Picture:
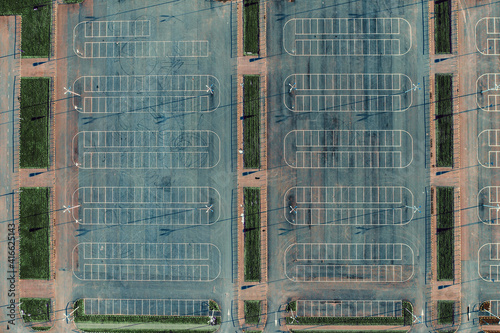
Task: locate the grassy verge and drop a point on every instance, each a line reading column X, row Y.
column 41, row 328
column 35, row 38
column 251, row 27
column 405, row 319
column 446, row 312
column 444, row 120
column 445, row 229
column 81, row 317
column 35, row 309
column 73, row 1
column 251, row 121
column 252, row 312
column 251, row 198
column 34, row 233
column 442, row 26
column 328, row 331
column 213, row 306
column 141, row 330
column 35, row 122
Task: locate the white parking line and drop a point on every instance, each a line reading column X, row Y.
column 488, row 205
column 348, row 149
column 347, row 92
column 137, row 28
column 147, row 205
column 330, row 36
column 349, row 205
column 336, row 262
column 485, row 44
column 119, row 149
column 488, row 263
column 488, row 151
column 148, row 307
column 146, row 261
column 349, row 308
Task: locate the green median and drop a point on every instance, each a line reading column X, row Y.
column 36, row 25
column 445, row 233
column 442, row 26
column 251, row 27
column 251, row 121
column 35, row 309
column 251, row 197
column 35, row 122
column 252, row 312
column 444, row 120
column 34, row 231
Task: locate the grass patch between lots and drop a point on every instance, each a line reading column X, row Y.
column 442, row 27
column 444, row 120
column 446, row 312
column 141, row 330
column 404, row 319
column 81, row 317
column 35, row 309
column 36, row 24
column 251, row 121
column 252, row 312
column 41, row 328
column 445, row 230
column 251, row 197
column 34, row 230
column 251, row 27
column 328, row 331
column 35, row 123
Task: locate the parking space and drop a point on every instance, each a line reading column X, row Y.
column 346, row 36
column 349, row 308
column 349, row 205
column 335, row 262
column 146, row 262
column 348, row 149
column 488, row 148
column 130, row 39
column 147, row 205
column 146, row 94
column 488, row 35
column 146, row 307
column 348, row 92
column 488, row 205
column 489, row 262
column 488, row 92
column 495, row 307
column 140, row 149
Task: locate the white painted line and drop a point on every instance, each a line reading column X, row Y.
column 339, row 262
column 485, row 44
column 349, row 205
column 300, row 36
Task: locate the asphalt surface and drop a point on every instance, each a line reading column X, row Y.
column 327, row 241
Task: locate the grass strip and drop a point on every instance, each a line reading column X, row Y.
column 446, row 312
column 36, row 24
column 444, row 120
column 445, row 229
column 213, row 306
column 251, row 27
column 35, row 122
column 252, row 312
column 404, row 319
column 141, row 330
column 41, row 328
column 442, row 26
column 73, row 1
column 81, row 317
column 251, row 197
column 251, row 121
column 330, row 331
column 34, row 233
column 35, row 309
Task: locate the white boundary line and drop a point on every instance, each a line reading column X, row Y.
column 478, row 90
column 83, row 243
column 479, row 262
column 352, row 149
column 339, row 302
column 343, row 204
column 171, row 187
column 367, row 55
column 476, row 39
column 350, row 74
column 478, row 195
column 489, row 151
column 79, row 165
column 402, row 244
column 142, row 300
column 145, row 91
